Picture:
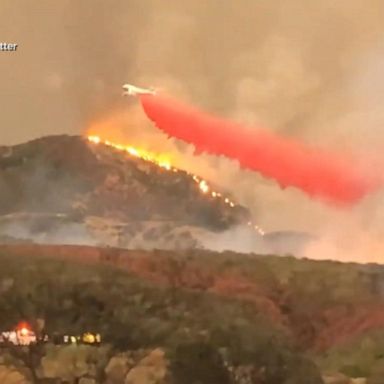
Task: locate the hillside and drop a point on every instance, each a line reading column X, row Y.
column 301, row 309
column 101, row 237
column 67, row 189
column 144, row 305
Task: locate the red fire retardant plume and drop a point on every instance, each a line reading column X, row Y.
column 290, row 163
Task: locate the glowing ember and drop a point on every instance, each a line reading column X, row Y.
column 94, row 139
column 204, row 186
column 164, row 163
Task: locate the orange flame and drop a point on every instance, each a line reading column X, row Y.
column 164, row 162
column 160, row 160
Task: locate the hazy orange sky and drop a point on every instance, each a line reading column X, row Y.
column 307, row 69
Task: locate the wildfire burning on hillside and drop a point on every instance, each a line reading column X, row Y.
column 160, row 160
column 164, row 162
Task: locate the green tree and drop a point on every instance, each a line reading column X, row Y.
column 198, row 363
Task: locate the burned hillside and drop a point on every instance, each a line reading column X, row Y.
column 58, row 186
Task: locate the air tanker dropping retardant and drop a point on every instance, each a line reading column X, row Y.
column 131, row 90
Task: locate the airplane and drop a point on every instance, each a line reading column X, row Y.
column 131, row 90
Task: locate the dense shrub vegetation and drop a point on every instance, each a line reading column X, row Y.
column 131, row 313
column 265, row 315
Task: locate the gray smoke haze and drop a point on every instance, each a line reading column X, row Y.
column 68, row 234
column 306, row 69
